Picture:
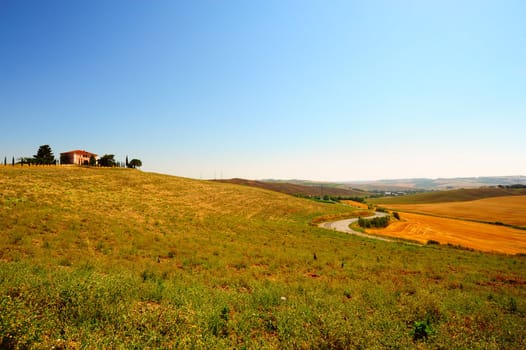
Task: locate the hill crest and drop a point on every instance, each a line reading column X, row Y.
column 295, row 189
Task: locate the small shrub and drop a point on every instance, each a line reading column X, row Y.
column 147, row 275
column 218, row 325
column 65, row 261
column 512, row 305
column 396, row 215
column 378, row 222
column 421, row 330
column 99, row 246
column 17, row 239
column 432, row 241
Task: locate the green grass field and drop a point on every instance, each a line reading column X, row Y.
column 115, row 258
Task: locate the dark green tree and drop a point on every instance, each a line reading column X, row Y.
column 107, row 160
column 92, row 160
column 135, row 163
column 27, row 160
column 44, row 155
column 64, row 159
column 13, row 161
column 127, row 163
column 5, row 161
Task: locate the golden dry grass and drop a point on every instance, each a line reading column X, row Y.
column 479, row 236
column 355, row 204
column 510, row 209
column 118, row 215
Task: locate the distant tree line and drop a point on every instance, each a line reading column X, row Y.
column 45, row 156
column 512, row 186
column 329, row 198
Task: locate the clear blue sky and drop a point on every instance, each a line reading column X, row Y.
column 322, row 90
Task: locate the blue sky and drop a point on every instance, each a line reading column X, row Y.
column 322, row 90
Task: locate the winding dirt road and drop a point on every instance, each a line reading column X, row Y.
column 343, row 226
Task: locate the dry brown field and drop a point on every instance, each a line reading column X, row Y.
column 509, row 210
column 478, row 236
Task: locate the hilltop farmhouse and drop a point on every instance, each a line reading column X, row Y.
column 77, row 157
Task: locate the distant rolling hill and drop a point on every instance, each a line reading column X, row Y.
column 297, row 189
column 438, row 184
column 460, row 195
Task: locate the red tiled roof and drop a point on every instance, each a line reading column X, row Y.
column 78, row 151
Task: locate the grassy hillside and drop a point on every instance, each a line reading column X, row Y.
column 113, row 258
column 129, row 215
column 299, row 189
column 460, row 195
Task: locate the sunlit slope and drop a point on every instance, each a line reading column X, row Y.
column 70, row 213
column 460, row 195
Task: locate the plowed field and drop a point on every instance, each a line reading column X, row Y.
column 510, row 209
column 483, row 237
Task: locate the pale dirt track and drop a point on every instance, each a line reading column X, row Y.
column 343, row 226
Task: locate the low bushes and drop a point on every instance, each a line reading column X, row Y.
column 377, row 222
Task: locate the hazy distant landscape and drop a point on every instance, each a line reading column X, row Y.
column 439, row 184
column 490, row 186
column 420, row 184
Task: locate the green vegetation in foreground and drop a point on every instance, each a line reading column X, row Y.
column 116, row 258
column 460, row 195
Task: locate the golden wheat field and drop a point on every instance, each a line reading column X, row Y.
column 509, row 210
column 479, row 236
